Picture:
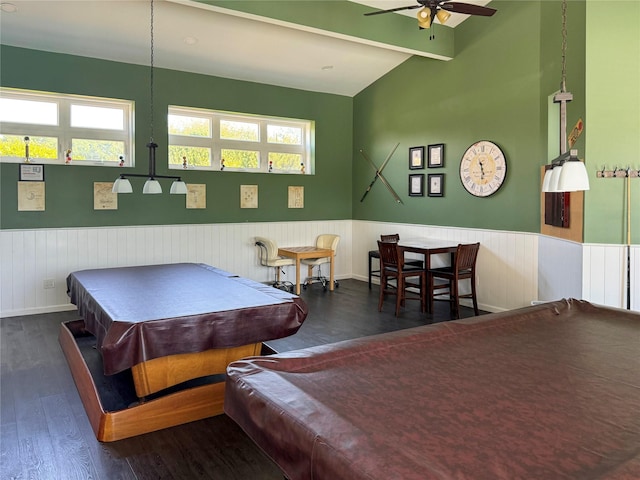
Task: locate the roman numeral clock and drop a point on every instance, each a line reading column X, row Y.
column 483, row 168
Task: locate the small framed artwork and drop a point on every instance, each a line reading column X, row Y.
column 416, row 158
column 416, row 185
column 31, row 172
column 436, row 185
column 436, row 155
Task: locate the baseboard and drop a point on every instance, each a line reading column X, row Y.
column 37, row 310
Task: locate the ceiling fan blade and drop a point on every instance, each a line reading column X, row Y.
column 378, row 12
column 467, row 9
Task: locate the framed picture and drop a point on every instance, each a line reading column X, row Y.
column 416, row 185
column 416, row 158
column 436, row 185
column 31, row 172
column 436, row 155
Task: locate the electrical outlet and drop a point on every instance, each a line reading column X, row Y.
column 49, row 283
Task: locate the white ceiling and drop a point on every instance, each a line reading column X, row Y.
column 192, row 37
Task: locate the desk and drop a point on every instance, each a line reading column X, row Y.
column 428, row 247
column 298, row 253
column 548, row 391
column 171, row 324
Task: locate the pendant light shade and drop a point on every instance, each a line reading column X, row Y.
column 122, row 185
column 151, row 186
column 546, row 182
column 178, row 188
column 573, row 177
column 555, row 179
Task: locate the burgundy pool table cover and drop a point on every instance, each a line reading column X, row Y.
column 547, row 392
column 151, row 311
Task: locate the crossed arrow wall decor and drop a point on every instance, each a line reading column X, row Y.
column 378, row 174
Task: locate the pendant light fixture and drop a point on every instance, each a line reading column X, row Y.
column 567, row 172
column 151, row 186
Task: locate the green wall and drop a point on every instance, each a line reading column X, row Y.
column 495, row 89
column 69, row 189
column 613, row 125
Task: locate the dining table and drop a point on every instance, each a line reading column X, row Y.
column 300, row 253
column 427, row 247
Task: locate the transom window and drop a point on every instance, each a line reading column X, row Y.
column 216, row 140
column 58, row 128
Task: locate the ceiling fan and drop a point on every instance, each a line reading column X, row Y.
column 430, row 9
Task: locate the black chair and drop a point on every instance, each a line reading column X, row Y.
column 395, row 237
column 464, row 267
column 393, row 267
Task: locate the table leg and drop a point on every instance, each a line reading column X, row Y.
column 297, row 276
column 331, row 277
column 427, row 266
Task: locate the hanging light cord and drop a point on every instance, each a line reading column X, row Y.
column 151, row 75
column 563, row 87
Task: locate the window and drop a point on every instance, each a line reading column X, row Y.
column 215, row 140
column 98, row 131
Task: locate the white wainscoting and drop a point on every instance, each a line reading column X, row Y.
column 604, row 279
column 514, row 268
column 28, row 258
column 559, row 269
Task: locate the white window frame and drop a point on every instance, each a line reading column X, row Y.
column 263, row 147
column 65, row 133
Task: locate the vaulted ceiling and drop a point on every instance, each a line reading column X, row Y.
column 335, row 49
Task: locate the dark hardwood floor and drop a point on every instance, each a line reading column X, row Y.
column 45, row 434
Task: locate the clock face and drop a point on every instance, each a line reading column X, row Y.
column 483, row 168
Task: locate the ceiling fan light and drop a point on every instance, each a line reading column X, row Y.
column 443, row 16
column 424, row 18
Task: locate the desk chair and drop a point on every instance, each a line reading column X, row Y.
column 269, row 258
column 322, row 241
column 395, row 237
column 464, row 267
column 393, row 266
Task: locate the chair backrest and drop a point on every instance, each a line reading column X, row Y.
column 268, row 250
column 389, row 256
column 327, row 240
column 466, row 255
column 395, row 237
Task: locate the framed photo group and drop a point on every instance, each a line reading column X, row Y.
column 434, row 159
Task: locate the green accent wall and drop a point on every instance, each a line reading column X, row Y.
column 69, row 189
column 492, row 90
column 613, row 125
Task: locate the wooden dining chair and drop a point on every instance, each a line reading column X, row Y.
column 446, row 280
column 393, row 267
column 394, row 237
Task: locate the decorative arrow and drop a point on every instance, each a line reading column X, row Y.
column 379, row 174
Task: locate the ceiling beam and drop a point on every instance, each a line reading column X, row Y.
column 344, row 20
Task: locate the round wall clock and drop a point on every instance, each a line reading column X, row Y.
column 483, row 168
